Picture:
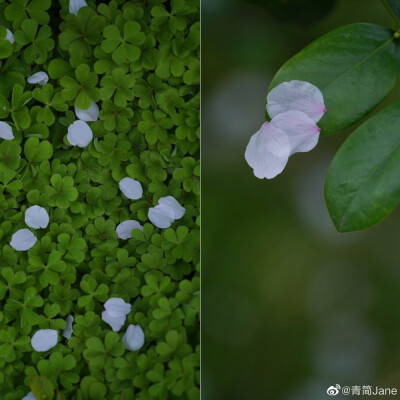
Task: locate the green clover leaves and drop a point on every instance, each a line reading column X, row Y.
column 123, row 47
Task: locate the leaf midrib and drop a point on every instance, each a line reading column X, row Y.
column 359, row 63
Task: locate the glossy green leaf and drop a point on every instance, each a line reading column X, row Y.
column 355, row 67
column 363, row 182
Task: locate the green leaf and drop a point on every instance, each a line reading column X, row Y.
column 363, row 182
column 36, row 151
column 355, row 67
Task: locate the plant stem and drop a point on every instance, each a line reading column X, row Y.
column 393, row 15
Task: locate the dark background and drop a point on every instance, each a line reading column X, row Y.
column 289, row 306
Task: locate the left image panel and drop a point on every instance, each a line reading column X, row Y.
column 99, row 199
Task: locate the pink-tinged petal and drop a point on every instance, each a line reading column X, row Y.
column 36, row 217
column 298, row 96
column 44, row 339
column 301, row 130
column 76, row 5
column 116, row 323
column 134, row 338
column 79, row 134
column 39, row 78
column 6, row 132
column 117, row 307
column 161, row 216
column 173, row 204
column 268, row 151
column 125, row 228
column 131, row 188
column 67, row 332
column 9, row 36
column 91, row 114
column 23, row 240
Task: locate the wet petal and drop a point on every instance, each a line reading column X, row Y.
column 9, row 36
column 36, row 217
column 161, row 216
column 91, row 114
column 302, row 131
column 298, row 96
column 23, row 240
column 172, row 203
column 79, row 134
column 124, row 229
column 67, row 332
column 76, row 5
column 133, row 338
column 116, row 307
column 268, row 151
column 39, row 78
column 116, row 323
column 44, row 339
column 131, row 188
column 6, row 132
column 29, row 396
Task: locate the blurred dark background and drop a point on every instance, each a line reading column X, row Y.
column 289, row 306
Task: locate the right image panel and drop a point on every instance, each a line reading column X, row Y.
column 300, row 195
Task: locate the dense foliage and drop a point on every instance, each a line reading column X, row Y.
column 139, row 60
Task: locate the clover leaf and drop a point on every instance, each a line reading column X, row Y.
column 117, row 84
column 20, row 10
column 126, row 47
column 82, row 90
column 38, row 42
column 46, row 96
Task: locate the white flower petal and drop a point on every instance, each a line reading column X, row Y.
column 133, row 338
column 67, row 332
column 116, row 307
column 161, row 216
column 116, row 323
column 268, row 151
column 39, row 78
column 91, row 114
column 79, row 134
column 131, row 188
column 29, row 396
column 302, row 131
column 9, row 36
column 23, row 240
column 124, row 229
column 296, row 95
column 44, row 339
column 172, row 203
column 6, row 132
column 36, row 217
column 76, row 5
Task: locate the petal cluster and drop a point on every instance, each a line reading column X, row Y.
column 67, row 332
column 89, row 115
column 23, row 240
column 166, row 212
column 131, row 188
column 44, row 339
column 29, row 396
column 39, row 78
column 9, row 36
column 36, row 217
column 76, row 5
column 133, row 338
column 115, row 313
column 125, row 228
column 6, row 132
column 295, row 107
column 79, row 134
